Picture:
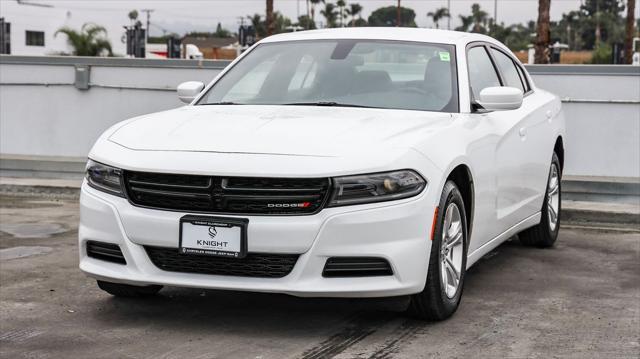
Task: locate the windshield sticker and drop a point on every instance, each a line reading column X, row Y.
column 444, row 56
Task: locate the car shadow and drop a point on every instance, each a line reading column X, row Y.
column 198, row 308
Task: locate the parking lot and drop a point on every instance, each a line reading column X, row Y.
column 579, row 299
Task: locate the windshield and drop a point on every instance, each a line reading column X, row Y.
column 354, row 73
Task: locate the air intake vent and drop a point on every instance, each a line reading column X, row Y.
column 233, row 195
column 356, row 267
column 260, row 265
column 105, row 251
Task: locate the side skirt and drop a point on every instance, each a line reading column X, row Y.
column 489, row 246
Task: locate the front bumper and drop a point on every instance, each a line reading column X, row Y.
column 396, row 231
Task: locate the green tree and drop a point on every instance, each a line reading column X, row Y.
column 341, row 5
column 220, row 32
column 133, row 16
column 476, row 22
column 313, row 8
column 330, row 14
column 280, row 23
column 258, row 24
column 89, row 41
column 354, row 10
column 305, row 22
column 387, row 16
column 438, row 15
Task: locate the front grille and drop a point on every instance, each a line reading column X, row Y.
column 356, row 267
column 233, row 195
column 253, row 265
column 105, row 251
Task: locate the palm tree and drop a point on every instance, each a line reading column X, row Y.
column 628, row 42
column 258, row 25
column 480, row 18
column 329, row 13
column 341, row 4
column 313, row 8
column 89, row 41
column 355, row 9
column 438, row 15
column 270, row 23
column 543, row 33
column 466, row 22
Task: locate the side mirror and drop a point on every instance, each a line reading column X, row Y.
column 187, row 91
column 500, row 98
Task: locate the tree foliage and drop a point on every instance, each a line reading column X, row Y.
column 438, row 15
column 89, row 41
column 387, row 16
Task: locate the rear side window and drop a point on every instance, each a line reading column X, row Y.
column 508, row 70
column 525, row 82
column 482, row 74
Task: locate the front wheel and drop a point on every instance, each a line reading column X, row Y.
column 448, row 260
column 544, row 235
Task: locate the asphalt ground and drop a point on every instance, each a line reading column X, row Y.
column 580, row 299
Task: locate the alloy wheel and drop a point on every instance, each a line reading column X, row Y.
column 452, row 250
column 553, row 197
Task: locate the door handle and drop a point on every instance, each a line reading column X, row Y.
column 522, row 132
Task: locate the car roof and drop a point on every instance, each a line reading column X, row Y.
column 383, row 33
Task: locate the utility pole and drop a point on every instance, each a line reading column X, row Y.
column 148, row 11
column 398, row 17
column 495, row 12
column 449, row 17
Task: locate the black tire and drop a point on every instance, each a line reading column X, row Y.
column 129, row 291
column 432, row 303
column 542, row 235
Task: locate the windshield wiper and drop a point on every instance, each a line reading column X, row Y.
column 326, row 103
column 221, row 103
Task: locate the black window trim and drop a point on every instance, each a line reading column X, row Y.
column 516, row 63
column 38, row 32
column 474, row 105
column 488, row 46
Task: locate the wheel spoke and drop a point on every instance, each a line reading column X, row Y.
column 552, row 213
column 553, row 190
column 453, row 271
column 455, row 241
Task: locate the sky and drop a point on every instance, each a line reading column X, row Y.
column 180, row 16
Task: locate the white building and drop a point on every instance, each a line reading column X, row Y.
column 33, row 26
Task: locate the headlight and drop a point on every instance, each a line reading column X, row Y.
column 375, row 187
column 104, row 178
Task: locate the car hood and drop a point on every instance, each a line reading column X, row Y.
column 277, row 130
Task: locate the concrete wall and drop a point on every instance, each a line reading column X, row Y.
column 42, row 113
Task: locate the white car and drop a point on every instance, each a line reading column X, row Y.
column 368, row 162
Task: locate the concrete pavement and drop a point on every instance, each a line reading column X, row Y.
column 580, row 299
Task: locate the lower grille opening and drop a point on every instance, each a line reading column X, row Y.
column 259, row 265
column 105, row 251
column 356, row 267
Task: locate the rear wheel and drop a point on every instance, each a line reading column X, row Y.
column 544, row 235
column 126, row 290
column 448, row 260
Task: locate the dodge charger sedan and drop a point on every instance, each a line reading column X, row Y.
column 369, row 162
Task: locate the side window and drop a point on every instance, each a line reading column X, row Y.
column 525, row 82
column 482, row 74
column 508, row 70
